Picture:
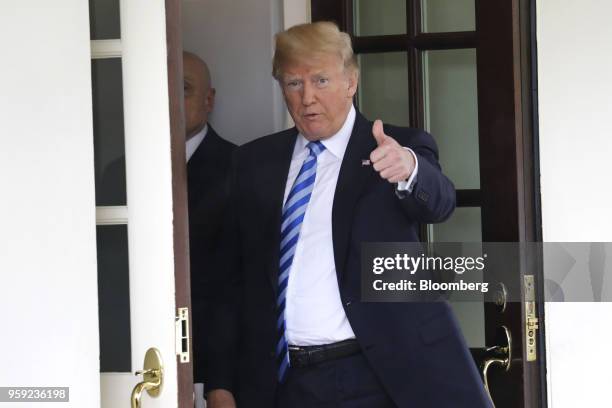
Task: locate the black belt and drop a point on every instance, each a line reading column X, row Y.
column 304, row 356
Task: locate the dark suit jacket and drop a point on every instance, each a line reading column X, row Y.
column 207, row 188
column 416, row 349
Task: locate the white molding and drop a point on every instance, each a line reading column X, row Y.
column 112, row 215
column 110, row 383
column 105, row 49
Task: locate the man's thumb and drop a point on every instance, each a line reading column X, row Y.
column 378, row 132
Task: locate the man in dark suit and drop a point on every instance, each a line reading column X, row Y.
column 290, row 329
column 208, row 157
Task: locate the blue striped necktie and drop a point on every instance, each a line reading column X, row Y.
column 291, row 223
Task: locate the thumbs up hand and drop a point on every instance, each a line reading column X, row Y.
column 390, row 160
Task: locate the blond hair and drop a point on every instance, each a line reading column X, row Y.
column 303, row 41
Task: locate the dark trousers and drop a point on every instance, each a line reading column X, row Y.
column 348, row 382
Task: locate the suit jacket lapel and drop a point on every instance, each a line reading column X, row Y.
column 274, row 183
column 353, row 178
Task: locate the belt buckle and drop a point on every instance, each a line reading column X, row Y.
column 301, row 357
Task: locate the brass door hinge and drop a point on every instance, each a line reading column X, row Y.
column 182, row 334
column 531, row 319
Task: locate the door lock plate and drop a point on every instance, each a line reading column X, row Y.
column 182, row 334
column 531, row 319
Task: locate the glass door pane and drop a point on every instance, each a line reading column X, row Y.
column 383, row 88
column 440, row 16
column 104, row 23
column 464, row 226
column 114, row 299
column 451, row 112
column 109, row 146
column 451, row 115
column 380, row 17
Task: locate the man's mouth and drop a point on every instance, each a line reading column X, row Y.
column 311, row 116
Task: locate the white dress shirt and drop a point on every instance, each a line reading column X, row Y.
column 314, row 313
column 191, row 145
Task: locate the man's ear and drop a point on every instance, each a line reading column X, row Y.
column 210, row 99
column 353, row 81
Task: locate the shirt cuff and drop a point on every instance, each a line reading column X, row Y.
column 408, row 185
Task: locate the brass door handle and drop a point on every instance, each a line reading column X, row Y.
column 153, row 377
column 497, row 355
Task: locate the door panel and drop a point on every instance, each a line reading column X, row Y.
column 134, row 164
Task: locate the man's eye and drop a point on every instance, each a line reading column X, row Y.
column 322, row 81
column 293, row 84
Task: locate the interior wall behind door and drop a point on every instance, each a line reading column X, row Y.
column 575, row 106
column 48, row 288
column 236, row 40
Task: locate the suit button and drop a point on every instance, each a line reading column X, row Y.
column 348, row 303
column 423, row 196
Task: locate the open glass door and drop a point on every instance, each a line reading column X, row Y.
column 460, row 69
column 141, row 203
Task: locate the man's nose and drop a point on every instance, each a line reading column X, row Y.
column 308, row 94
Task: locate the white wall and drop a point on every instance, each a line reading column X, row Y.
column 575, row 102
column 296, row 12
column 235, row 39
column 48, row 287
